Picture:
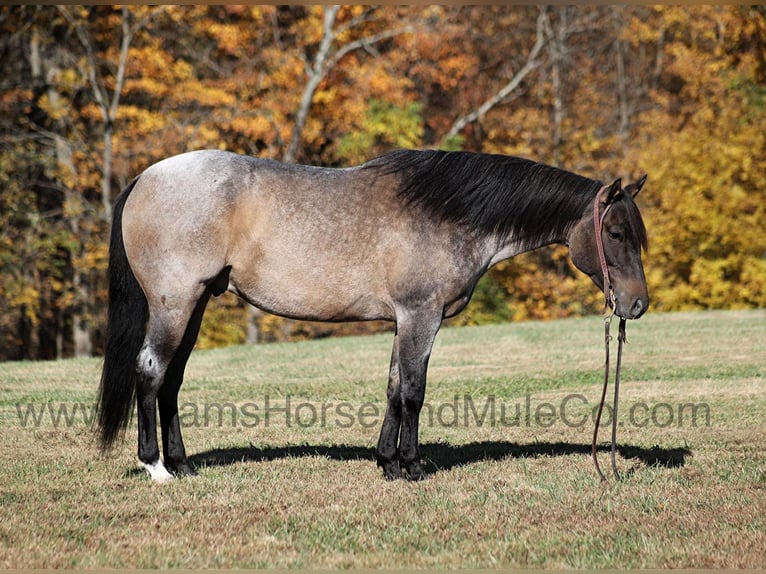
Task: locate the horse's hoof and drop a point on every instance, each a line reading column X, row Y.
column 391, row 470
column 156, row 470
column 182, row 469
column 414, row 471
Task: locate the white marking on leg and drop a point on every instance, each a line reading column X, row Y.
column 157, row 471
column 147, row 363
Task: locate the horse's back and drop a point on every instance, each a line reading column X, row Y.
column 217, row 179
column 301, row 241
column 290, row 234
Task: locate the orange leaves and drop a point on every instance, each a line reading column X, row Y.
column 228, row 38
column 677, row 92
column 454, row 69
column 252, row 126
column 545, row 285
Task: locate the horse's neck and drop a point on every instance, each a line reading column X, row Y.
column 505, row 248
column 501, row 247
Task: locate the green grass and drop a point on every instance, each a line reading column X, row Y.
column 518, row 493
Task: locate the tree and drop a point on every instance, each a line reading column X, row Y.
column 704, row 140
column 38, row 164
column 91, row 96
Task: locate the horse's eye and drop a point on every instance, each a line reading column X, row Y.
column 615, row 234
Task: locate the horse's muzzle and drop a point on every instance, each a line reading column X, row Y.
column 634, row 310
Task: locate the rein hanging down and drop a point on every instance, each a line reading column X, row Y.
column 609, row 301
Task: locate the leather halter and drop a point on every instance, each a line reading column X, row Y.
column 598, row 224
column 609, row 305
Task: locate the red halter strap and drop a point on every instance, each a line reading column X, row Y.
column 598, row 222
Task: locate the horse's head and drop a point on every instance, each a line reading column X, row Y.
column 623, row 237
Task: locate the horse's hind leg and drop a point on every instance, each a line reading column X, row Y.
column 168, row 320
column 173, row 449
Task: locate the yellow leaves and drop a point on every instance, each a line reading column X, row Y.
column 326, row 96
column 733, row 282
column 314, row 134
column 384, row 126
column 141, row 119
column 311, row 28
column 641, row 30
column 370, row 80
column 228, row 37
column 156, row 74
column 69, row 79
column 205, row 95
column 182, row 70
column 707, row 190
column 26, row 297
column 252, row 127
column 545, row 285
column 150, row 62
column 752, row 282
column 202, row 136
column 259, row 13
column 232, row 77
column 73, row 207
column 287, row 71
column 94, row 258
column 55, row 107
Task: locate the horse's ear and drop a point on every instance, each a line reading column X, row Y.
column 613, row 191
column 634, row 188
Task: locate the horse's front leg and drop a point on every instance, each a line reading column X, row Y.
column 416, row 335
column 388, row 443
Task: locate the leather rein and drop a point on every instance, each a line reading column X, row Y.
column 609, row 304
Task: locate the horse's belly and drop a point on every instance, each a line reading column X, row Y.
column 309, row 294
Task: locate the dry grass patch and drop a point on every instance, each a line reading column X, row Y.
column 513, row 495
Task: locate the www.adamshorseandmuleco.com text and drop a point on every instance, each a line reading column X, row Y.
column 573, row 410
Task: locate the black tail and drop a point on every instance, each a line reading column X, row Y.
column 125, row 331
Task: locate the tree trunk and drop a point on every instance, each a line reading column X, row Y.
column 316, row 73
column 623, row 129
column 558, row 49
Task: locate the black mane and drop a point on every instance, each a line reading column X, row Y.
column 491, row 194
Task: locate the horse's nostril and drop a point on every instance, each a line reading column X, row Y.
column 638, row 308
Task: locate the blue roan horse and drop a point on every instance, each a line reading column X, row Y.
column 404, row 237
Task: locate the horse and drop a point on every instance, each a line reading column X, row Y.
column 404, row 237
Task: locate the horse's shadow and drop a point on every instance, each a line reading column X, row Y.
column 438, row 457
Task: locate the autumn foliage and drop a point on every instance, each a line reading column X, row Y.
column 91, row 96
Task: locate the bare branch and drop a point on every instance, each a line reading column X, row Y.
column 108, row 108
column 323, row 64
column 108, row 105
column 98, row 92
column 356, row 21
column 368, row 42
column 509, row 87
column 127, row 36
column 316, row 72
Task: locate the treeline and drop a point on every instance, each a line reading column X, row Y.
column 91, row 96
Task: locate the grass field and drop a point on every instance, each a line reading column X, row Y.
column 283, row 438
